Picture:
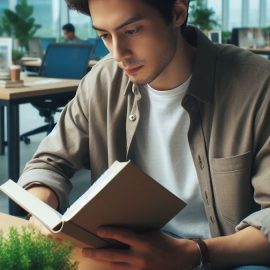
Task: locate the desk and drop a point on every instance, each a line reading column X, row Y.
column 34, row 65
column 262, row 51
column 34, row 89
column 7, row 221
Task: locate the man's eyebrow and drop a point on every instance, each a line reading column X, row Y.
column 127, row 22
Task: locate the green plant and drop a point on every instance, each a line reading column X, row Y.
column 201, row 16
column 30, row 250
column 16, row 56
column 226, row 36
column 20, row 24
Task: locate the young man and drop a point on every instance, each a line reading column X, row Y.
column 193, row 115
column 69, row 34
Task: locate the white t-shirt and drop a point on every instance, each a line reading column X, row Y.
column 160, row 148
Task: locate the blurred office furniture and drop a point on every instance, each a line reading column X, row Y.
column 35, row 89
column 99, row 49
column 2, row 131
column 264, row 52
column 215, row 36
column 5, row 57
column 248, row 37
column 67, row 61
column 35, row 54
column 46, row 41
column 35, row 48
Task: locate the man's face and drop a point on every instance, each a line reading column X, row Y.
column 138, row 37
column 68, row 35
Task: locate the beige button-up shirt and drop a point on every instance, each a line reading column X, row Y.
column 228, row 101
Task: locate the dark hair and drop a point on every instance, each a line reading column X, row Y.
column 69, row 27
column 165, row 7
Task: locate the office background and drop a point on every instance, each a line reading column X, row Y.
column 53, row 14
column 228, row 13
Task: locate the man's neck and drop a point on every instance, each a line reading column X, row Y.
column 180, row 68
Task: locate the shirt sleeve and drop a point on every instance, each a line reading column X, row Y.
column 260, row 169
column 259, row 220
column 64, row 151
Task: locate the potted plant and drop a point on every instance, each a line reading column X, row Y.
column 28, row 249
column 201, row 16
column 19, row 24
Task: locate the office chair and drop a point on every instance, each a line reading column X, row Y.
column 99, row 49
column 66, row 61
column 46, row 41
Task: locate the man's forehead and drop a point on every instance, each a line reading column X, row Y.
column 116, row 14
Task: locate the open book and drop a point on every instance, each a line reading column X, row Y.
column 123, row 196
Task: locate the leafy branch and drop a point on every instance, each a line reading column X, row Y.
column 30, row 250
column 19, row 24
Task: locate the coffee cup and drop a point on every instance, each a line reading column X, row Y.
column 15, row 73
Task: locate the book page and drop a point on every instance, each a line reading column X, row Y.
column 42, row 211
column 94, row 189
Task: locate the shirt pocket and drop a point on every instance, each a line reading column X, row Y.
column 232, row 187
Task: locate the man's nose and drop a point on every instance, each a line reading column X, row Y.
column 120, row 50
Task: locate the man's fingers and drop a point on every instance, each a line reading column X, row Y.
column 125, row 236
column 108, row 255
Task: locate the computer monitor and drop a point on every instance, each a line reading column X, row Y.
column 215, row 36
column 45, row 41
column 35, row 48
column 69, row 61
column 248, row 37
column 99, row 49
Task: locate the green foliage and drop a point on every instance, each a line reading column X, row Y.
column 226, row 36
column 30, row 250
column 201, row 16
column 16, row 56
column 20, row 24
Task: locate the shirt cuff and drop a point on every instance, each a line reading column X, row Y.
column 259, row 220
column 54, row 181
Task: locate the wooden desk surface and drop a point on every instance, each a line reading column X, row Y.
column 84, row 264
column 37, row 63
column 265, row 50
column 36, row 86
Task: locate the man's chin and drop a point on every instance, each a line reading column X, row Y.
column 137, row 80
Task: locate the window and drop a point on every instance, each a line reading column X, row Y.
column 50, row 21
column 254, row 13
column 268, row 13
column 82, row 24
column 217, row 8
column 235, row 13
column 3, row 6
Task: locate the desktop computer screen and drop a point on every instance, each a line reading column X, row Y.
column 215, row 36
column 248, row 37
column 68, row 61
column 35, row 48
column 45, row 41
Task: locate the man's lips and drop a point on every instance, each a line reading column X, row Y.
column 131, row 71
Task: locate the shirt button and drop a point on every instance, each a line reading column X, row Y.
column 212, row 219
column 206, row 197
column 201, row 164
column 132, row 117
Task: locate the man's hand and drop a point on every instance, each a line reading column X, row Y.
column 45, row 194
column 147, row 251
column 48, row 196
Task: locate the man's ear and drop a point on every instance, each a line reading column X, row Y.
column 180, row 12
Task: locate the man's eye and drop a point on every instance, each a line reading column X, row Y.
column 104, row 36
column 133, row 31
